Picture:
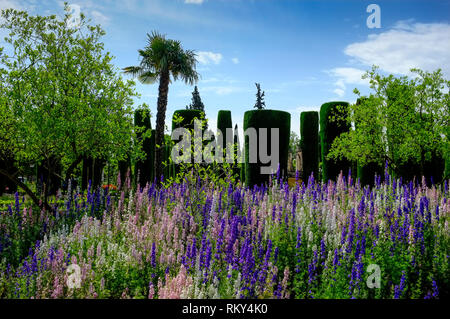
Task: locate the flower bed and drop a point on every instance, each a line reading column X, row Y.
column 199, row 240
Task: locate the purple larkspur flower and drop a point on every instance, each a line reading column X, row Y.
column 398, row 290
column 153, row 256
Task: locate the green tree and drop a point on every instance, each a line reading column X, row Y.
column 196, row 103
column 294, row 143
column 260, row 104
column 160, row 59
column 61, row 98
column 405, row 120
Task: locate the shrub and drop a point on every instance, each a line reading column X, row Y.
column 266, row 119
column 330, row 128
column 309, row 131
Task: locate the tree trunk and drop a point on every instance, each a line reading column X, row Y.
column 71, row 168
column 27, row 190
column 160, row 121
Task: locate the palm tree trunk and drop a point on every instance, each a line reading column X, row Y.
column 160, row 121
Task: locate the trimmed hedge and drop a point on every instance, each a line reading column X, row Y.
column 237, row 147
column 309, row 132
column 188, row 123
column 223, row 122
column 145, row 166
column 329, row 130
column 266, row 119
column 188, row 118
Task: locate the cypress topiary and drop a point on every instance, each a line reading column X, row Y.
column 236, row 153
column 144, row 166
column 187, row 122
column 188, row 118
column 309, row 132
column 266, row 119
column 330, row 129
column 223, row 123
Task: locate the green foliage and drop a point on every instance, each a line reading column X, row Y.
column 63, row 92
column 309, row 132
column 185, row 118
column 266, row 119
column 224, row 122
column 196, row 103
column 294, row 143
column 332, row 125
column 161, row 59
column 404, row 121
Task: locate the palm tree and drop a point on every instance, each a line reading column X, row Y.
column 160, row 59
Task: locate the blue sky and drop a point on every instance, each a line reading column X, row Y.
column 303, row 52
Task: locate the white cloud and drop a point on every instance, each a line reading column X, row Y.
column 346, row 76
column 100, row 18
column 407, row 45
column 194, row 1
column 222, row 90
column 339, row 92
column 206, row 57
column 7, row 4
column 235, row 60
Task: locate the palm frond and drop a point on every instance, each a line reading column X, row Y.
column 148, row 77
column 133, row 70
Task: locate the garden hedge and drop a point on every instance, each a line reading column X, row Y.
column 188, row 118
column 329, row 130
column 266, row 119
column 309, row 133
column 223, row 122
column 144, row 167
column 188, row 123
